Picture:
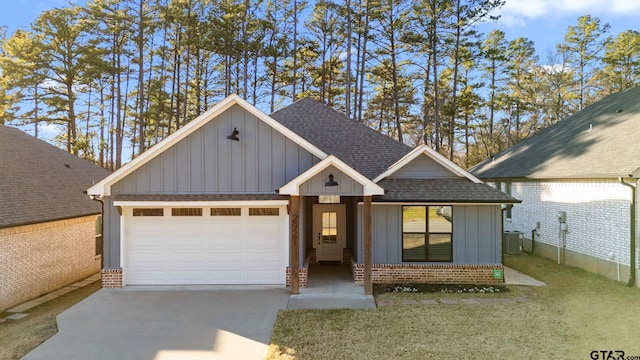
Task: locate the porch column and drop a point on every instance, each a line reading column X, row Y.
column 294, row 214
column 368, row 281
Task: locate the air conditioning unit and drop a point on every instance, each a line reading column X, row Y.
column 512, row 242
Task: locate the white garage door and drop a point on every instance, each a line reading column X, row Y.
column 230, row 245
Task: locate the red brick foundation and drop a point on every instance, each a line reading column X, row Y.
column 302, row 272
column 429, row 273
column 112, row 278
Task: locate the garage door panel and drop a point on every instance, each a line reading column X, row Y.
column 185, row 243
column 227, row 258
column 227, row 276
column 206, row 249
column 261, row 277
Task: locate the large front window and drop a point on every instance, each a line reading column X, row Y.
column 427, row 233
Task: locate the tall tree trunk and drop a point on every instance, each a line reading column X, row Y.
column 140, row 41
column 454, row 90
column 295, row 48
column 348, row 77
column 363, row 60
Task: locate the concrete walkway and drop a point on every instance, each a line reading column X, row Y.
column 180, row 323
column 513, row 277
column 331, row 287
column 21, row 311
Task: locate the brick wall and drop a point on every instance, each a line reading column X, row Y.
column 597, row 215
column 429, row 273
column 112, row 278
column 303, row 272
column 39, row 258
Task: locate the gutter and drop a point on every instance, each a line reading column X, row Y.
column 632, row 235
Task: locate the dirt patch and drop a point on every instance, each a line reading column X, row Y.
column 18, row 337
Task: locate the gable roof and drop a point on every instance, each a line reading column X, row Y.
column 435, row 156
column 293, row 187
column 365, row 150
column 601, row 141
column 40, row 182
column 103, row 188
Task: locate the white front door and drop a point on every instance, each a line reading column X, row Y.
column 329, row 225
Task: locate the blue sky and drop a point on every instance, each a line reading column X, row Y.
column 546, row 21
column 543, row 21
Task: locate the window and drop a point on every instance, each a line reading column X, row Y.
column 329, row 227
column 264, row 211
column 329, row 199
column 186, row 212
column 427, row 233
column 148, row 212
column 99, row 238
column 225, row 211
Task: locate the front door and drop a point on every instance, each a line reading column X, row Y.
column 329, row 224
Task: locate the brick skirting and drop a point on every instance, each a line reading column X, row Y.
column 429, row 273
column 303, row 272
column 112, row 278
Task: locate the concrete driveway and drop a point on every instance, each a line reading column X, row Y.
column 167, row 324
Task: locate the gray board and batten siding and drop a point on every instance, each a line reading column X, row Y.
column 347, row 186
column 205, row 162
column 423, row 167
column 476, row 238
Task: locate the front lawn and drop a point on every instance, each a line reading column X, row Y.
column 577, row 313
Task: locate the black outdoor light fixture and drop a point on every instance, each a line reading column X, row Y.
column 331, row 182
column 234, row 135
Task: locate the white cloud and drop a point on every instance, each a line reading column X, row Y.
column 517, row 12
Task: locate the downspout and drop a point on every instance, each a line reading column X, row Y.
column 632, row 235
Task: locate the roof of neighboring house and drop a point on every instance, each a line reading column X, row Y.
column 39, row 182
column 601, row 141
column 459, row 190
column 362, row 148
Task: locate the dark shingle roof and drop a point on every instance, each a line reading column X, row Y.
column 601, row 141
column 364, row 149
column 39, row 182
column 459, row 190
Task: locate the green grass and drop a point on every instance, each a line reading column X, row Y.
column 577, row 312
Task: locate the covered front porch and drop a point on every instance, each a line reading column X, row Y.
column 323, row 237
column 324, row 217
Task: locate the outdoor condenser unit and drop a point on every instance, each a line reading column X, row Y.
column 512, row 242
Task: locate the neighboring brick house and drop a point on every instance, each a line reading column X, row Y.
column 47, row 225
column 578, row 166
